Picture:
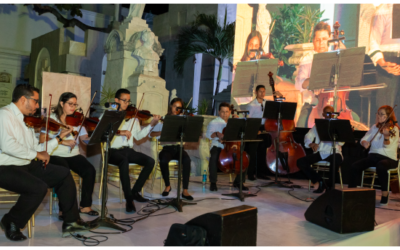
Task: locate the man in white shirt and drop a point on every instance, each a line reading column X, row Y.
column 214, row 133
column 122, row 153
column 20, row 173
column 322, row 152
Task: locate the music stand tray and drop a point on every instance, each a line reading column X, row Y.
column 243, row 130
column 105, row 132
column 181, row 129
column 334, row 130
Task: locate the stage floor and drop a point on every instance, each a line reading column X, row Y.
column 281, row 219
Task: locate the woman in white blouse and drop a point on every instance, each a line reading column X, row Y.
column 67, row 153
column 383, row 151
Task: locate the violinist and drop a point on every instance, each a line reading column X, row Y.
column 383, row 150
column 20, row 173
column 171, row 151
column 67, row 153
column 214, row 133
column 322, row 152
column 121, row 152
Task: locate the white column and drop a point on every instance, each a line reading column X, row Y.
column 116, row 13
column 329, row 12
column 196, row 80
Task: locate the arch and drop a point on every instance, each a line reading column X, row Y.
column 43, row 63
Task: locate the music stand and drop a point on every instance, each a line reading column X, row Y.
column 334, row 130
column 105, row 132
column 243, row 130
column 276, row 110
column 181, row 129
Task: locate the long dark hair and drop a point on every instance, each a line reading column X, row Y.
column 64, row 97
column 254, row 33
column 172, row 103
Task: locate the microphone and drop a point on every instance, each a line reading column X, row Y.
column 112, row 105
column 332, row 114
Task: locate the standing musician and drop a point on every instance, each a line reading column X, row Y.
column 383, row 151
column 257, row 150
column 171, row 151
column 67, row 153
column 21, row 174
column 121, row 152
column 322, row 152
column 214, row 133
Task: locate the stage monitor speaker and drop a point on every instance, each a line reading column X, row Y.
column 348, row 210
column 236, row 226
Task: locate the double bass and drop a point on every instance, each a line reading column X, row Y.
column 229, row 158
column 289, row 151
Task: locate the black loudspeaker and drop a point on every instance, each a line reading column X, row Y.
column 236, row 226
column 344, row 211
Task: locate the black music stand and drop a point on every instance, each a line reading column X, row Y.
column 181, row 129
column 276, row 110
column 243, row 130
column 105, row 132
column 334, row 130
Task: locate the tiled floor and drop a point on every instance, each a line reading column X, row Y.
column 281, row 219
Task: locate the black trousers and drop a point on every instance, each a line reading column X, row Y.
column 257, row 152
column 213, row 166
column 172, row 153
column 122, row 158
column 382, row 164
column 305, row 165
column 31, row 182
column 80, row 165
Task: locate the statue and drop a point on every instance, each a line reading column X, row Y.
column 263, row 24
column 135, row 10
column 146, row 51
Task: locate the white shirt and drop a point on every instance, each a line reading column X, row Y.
column 255, row 109
column 380, row 37
column 216, row 125
column 325, row 147
column 18, row 143
column 62, row 150
column 377, row 145
column 304, row 72
column 121, row 141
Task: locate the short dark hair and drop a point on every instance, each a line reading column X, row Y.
column 322, row 26
column 120, row 92
column 259, row 87
column 224, row 104
column 23, row 90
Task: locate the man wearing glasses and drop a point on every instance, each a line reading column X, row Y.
column 122, row 152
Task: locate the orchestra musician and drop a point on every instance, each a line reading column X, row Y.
column 171, row 151
column 383, row 151
column 214, row 133
column 67, row 154
column 121, row 152
column 322, row 152
column 20, row 173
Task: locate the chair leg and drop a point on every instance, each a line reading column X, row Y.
column 388, row 187
column 309, row 185
column 230, row 178
column 29, row 229
column 120, row 192
column 340, row 175
column 80, row 189
column 51, row 202
column 373, row 180
column 362, row 179
column 33, row 220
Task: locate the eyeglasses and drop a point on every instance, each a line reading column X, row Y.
column 381, row 114
column 125, row 101
column 36, row 100
column 71, row 104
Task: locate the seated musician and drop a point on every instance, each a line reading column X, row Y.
column 383, row 151
column 121, row 152
column 171, row 151
column 322, row 152
column 67, row 153
column 20, row 173
column 257, row 150
column 214, row 133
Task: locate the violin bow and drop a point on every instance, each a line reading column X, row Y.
column 84, row 118
column 47, row 127
column 137, row 111
column 384, row 123
column 269, row 33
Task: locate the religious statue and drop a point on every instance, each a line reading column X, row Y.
column 135, row 10
column 146, row 51
column 263, row 24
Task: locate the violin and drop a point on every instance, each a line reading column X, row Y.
column 229, row 158
column 289, row 150
column 38, row 122
column 76, row 119
column 388, row 125
column 142, row 115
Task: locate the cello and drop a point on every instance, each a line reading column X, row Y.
column 229, row 158
column 289, row 151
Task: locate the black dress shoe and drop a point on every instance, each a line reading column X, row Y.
column 321, row 188
column 78, row 226
column 130, row 207
column 166, row 193
column 263, row 177
column 244, row 188
column 384, row 200
column 188, row 197
column 12, row 231
column 91, row 212
column 252, row 178
column 139, row 198
column 213, row 186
